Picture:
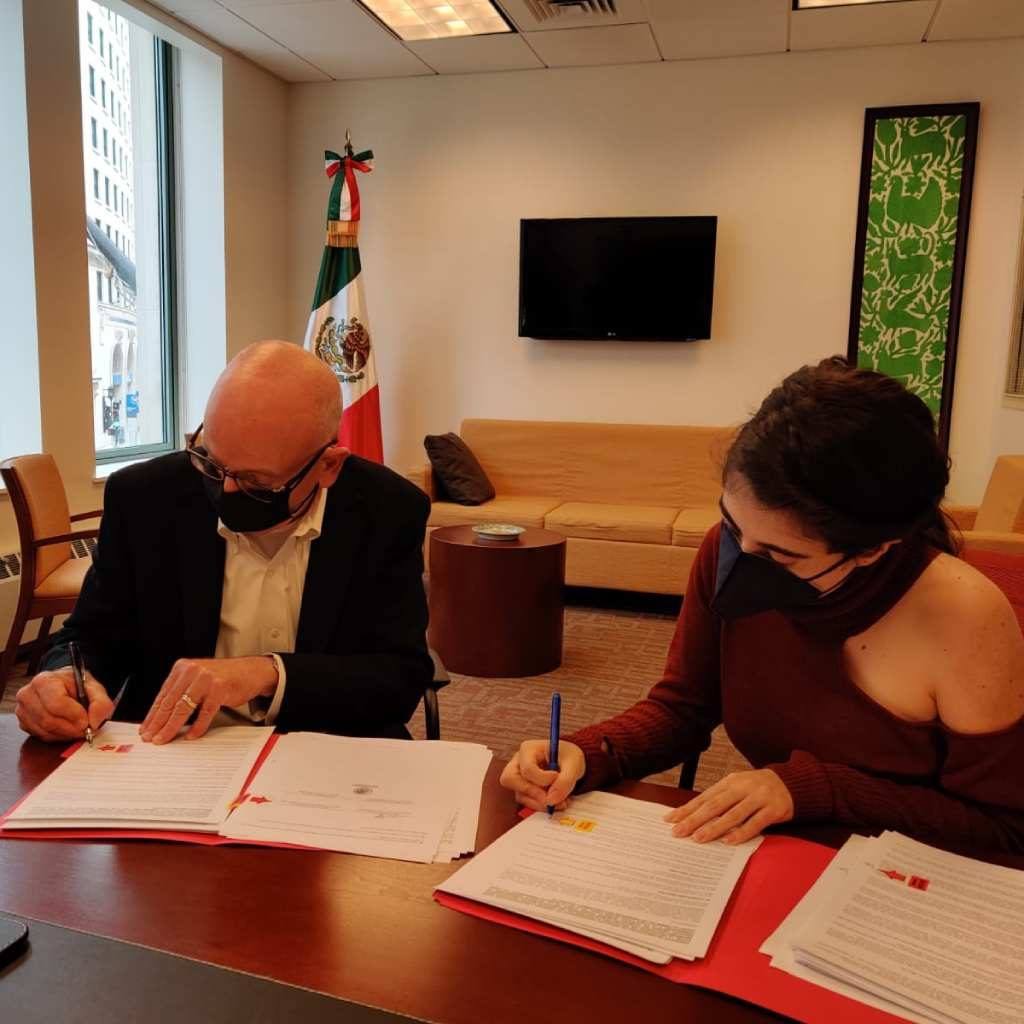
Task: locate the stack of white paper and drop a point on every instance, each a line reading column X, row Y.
column 121, row 782
column 385, row 798
column 924, row 934
column 609, row 868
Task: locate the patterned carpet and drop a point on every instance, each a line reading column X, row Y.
column 612, row 656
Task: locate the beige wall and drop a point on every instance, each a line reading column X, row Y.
column 255, row 106
column 255, row 218
column 769, row 144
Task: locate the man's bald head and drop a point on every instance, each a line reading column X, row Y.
column 271, row 408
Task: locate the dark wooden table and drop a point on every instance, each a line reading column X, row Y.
column 496, row 605
column 362, row 929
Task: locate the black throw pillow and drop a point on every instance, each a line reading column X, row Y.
column 461, row 478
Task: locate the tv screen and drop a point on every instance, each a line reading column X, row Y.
column 619, row 278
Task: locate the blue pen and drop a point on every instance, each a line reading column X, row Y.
column 556, row 730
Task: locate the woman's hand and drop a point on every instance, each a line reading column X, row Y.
column 734, row 809
column 533, row 784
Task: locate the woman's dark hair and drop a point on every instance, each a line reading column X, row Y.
column 851, row 454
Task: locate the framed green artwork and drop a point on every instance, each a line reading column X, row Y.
column 916, row 178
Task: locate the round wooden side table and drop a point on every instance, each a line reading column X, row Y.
column 496, row 606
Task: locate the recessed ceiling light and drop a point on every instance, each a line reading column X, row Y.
column 803, row 5
column 438, row 19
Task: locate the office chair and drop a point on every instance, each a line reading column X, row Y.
column 1006, row 570
column 688, row 773
column 431, row 711
column 50, row 577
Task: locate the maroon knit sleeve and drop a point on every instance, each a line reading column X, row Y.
column 978, row 799
column 675, row 721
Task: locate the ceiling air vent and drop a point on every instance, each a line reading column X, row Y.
column 533, row 15
column 542, row 9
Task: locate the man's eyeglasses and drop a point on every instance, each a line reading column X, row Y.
column 249, row 484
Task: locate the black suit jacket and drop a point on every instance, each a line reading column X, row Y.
column 153, row 595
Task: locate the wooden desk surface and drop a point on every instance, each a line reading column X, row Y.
column 362, row 929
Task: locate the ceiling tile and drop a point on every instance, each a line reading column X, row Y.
column 978, row 19
column 476, row 53
column 686, row 29
column 616, row 44
column 338, row 37
column 285, row 64
column 820, row 28
column 628, row 12
column 232, row 32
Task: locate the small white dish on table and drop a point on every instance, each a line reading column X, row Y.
column 498, row 531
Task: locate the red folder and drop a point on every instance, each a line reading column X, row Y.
column 776, row 878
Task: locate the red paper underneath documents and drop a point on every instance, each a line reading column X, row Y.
column 778, row 875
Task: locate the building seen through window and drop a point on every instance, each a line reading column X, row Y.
column 127, row 236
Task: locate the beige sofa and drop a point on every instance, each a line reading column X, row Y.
column 997, row 524
column 633, row 501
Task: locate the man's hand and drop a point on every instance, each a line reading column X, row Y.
column 48, row 707
column 210, row 683
column 531, row 781
column 738, row 807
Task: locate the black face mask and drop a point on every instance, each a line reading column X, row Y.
column 242, row 514
column 746, row 584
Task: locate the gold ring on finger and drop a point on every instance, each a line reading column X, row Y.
column 188, row 701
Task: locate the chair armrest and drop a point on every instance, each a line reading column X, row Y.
column 994, row 540
column 964, row 516
column 423, row 478
column 431, row 713
column 65, row 538
column 87, row 515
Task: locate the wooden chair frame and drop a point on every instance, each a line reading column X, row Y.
column 29, row 606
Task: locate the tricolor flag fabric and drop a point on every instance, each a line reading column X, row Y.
column 339, row 329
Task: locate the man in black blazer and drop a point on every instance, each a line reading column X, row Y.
column 195, row 577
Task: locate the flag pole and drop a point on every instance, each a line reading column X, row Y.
column 338, row 331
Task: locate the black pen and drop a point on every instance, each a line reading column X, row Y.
column 78, row 668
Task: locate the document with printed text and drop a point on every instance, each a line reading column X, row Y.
column 121, row 782
column 609, row 867
column 916, row 931
column 383, row 798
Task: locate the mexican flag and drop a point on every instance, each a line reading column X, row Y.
column 339, row 330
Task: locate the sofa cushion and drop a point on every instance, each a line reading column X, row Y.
column 663, row 466
column 460, row 476
column 692, row 523
column 643, row 524
column 523, row 511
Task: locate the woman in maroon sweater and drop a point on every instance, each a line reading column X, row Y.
column 870, row 676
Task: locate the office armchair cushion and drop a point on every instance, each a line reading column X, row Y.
column 460, row 476
column 47, row 506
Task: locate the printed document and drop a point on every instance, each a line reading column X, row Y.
column 121, row 782
column 609, row 867
column 383, row 798
column 402, row 799
column 905, row 927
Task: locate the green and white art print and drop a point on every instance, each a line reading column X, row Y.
column 915, row 201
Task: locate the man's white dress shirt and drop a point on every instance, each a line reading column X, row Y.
column 264, row 575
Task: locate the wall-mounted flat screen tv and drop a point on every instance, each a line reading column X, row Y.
column 617, row 278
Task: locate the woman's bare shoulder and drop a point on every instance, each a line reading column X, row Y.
column 974, row 643
column 951, row 587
